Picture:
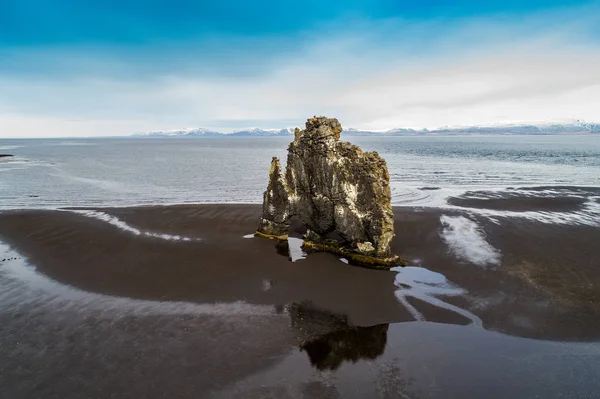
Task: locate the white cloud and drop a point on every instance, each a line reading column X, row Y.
column 475, row 73
column 15, row 125
column 508, row 86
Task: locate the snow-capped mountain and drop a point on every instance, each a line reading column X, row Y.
column 522, row 128
column 190, row 132
column 256, row 132
column 542, row 128
column 202, row 132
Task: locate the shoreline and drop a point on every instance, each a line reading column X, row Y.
column 456, row 198
column 150, row 260
column 117, row 300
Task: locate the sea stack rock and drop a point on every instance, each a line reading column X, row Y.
column 276, row 207
column 340, row 193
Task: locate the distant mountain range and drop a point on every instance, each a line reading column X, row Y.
column 201, row 132
column 508, row 129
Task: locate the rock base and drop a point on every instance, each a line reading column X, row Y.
column 282, row 237
column 355, row 258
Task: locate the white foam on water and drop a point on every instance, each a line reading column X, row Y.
column 467, row 241
column 412, row 196
column 589, row 215
column 426, row 285
column 295, row 247
column 113, row 220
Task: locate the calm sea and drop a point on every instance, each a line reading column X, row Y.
column 424, row 170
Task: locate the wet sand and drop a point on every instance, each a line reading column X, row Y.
column 91, row 308
column 524, row 199
column 555, row 204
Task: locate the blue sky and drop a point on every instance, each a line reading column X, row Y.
column 86, row 68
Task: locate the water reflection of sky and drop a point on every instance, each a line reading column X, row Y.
column 418, row 282
column 21, row 284
column 403, row 359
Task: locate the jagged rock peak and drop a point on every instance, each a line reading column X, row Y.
column 340, row 193
column 276, row 213
column 321, row 127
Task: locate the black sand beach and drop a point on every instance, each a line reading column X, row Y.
column 135, row 309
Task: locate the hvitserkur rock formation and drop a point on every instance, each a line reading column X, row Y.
column 340, row 193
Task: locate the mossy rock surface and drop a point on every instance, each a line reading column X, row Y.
column 271, row 237
column 369, row 261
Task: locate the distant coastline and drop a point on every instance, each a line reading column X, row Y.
column 513, row 129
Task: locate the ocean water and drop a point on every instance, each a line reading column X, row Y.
column 425, row 171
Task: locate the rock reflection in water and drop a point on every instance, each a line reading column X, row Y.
column 319, row 389
column 329, row 339
column 329, row 351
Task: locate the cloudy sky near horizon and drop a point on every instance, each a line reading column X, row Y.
column 115, row 67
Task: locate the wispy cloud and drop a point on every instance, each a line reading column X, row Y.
column 370, row 73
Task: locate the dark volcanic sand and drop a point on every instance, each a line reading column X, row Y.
column 554, row 204
column 90, row 310
column 555, row 199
